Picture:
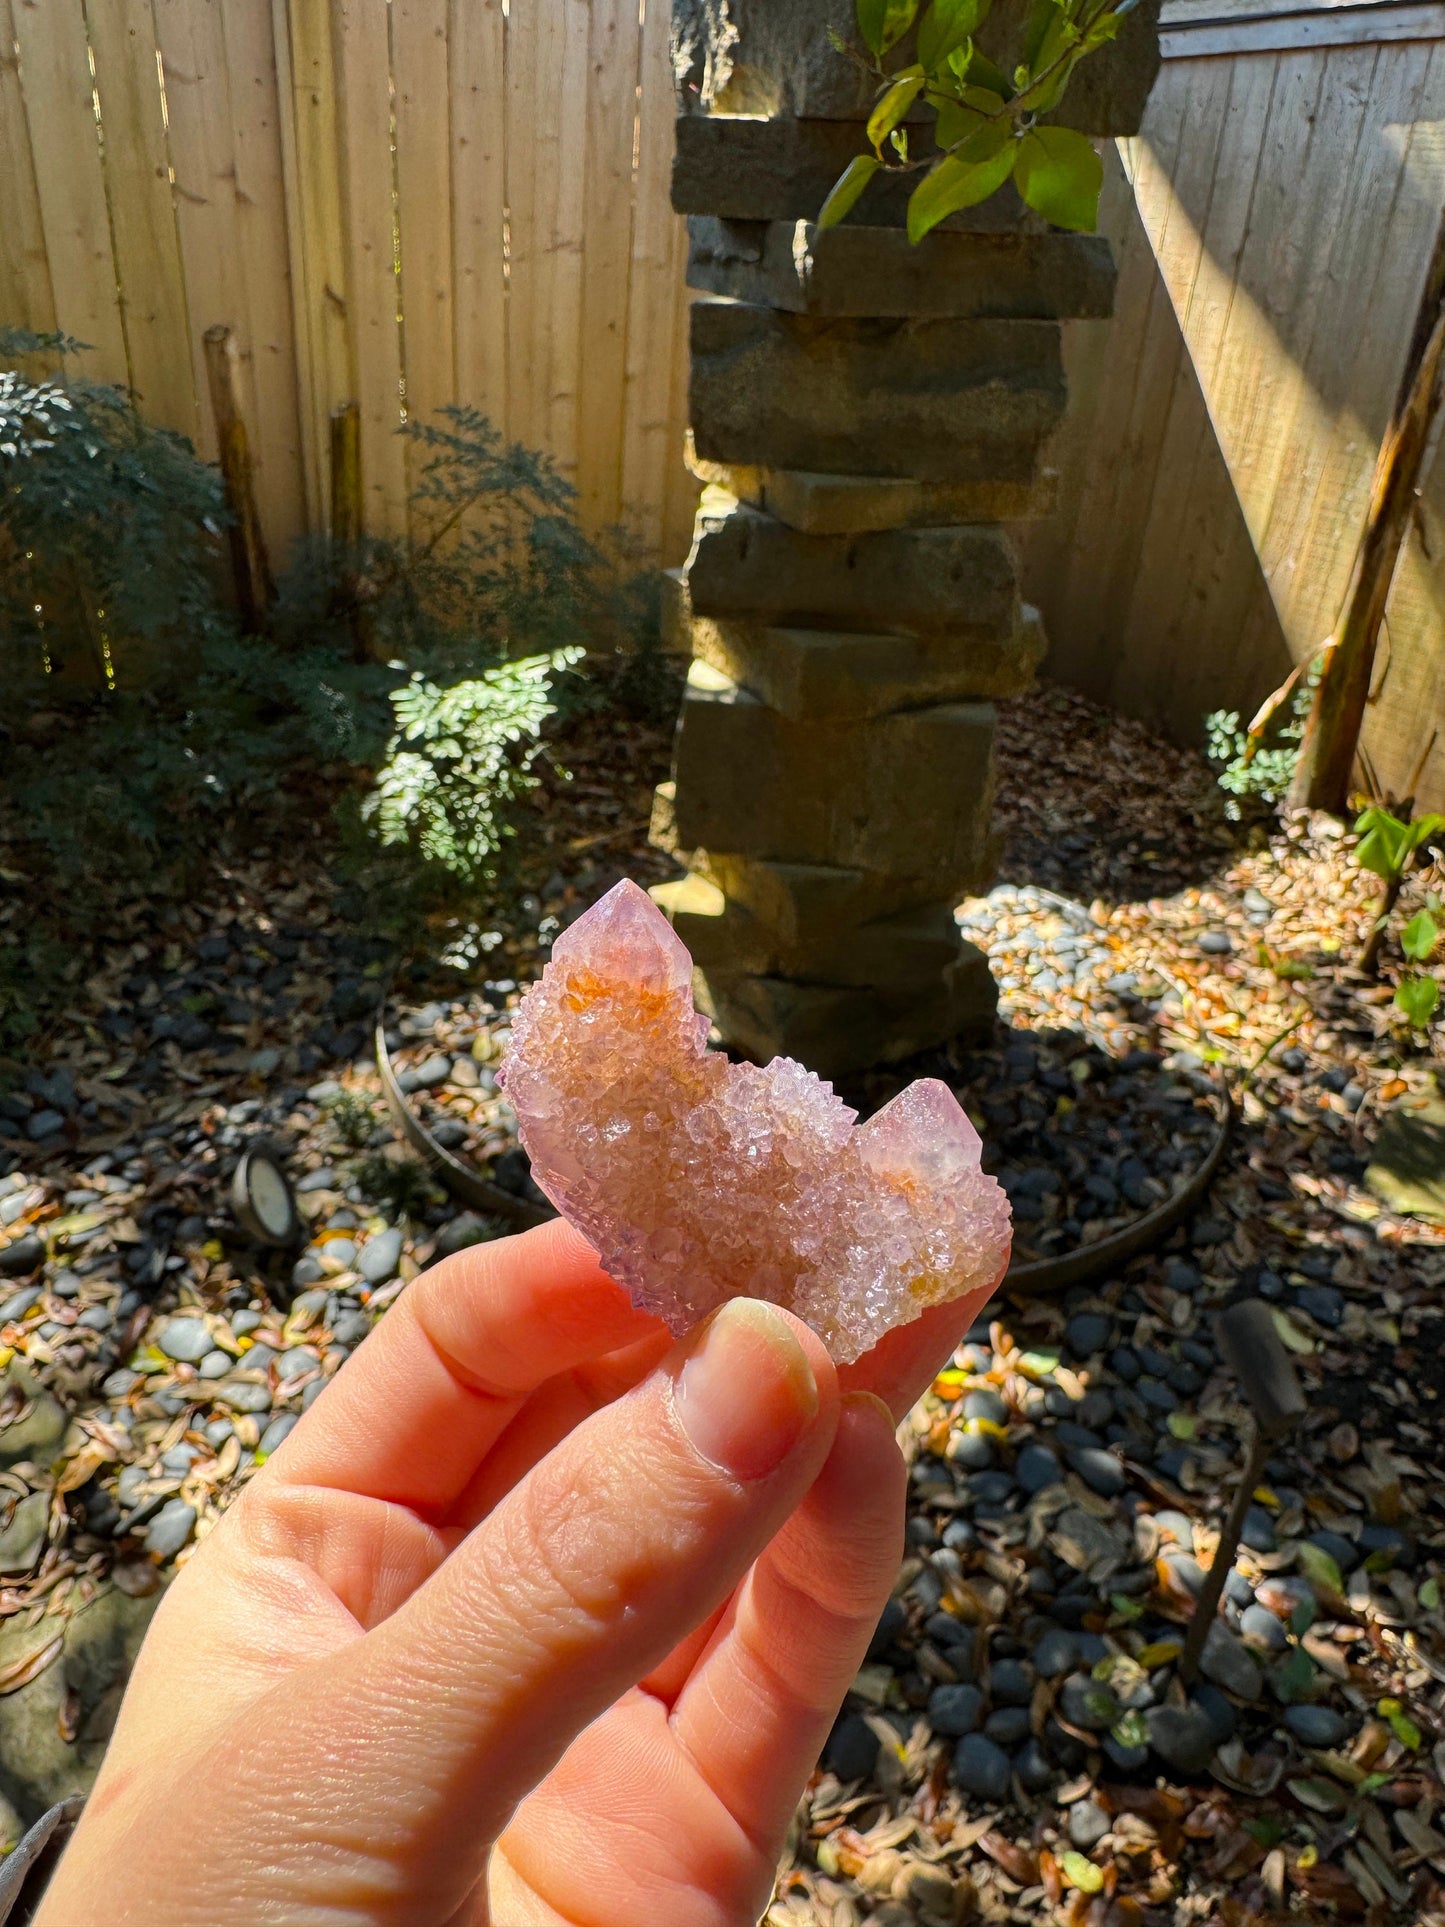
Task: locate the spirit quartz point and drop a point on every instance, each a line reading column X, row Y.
column 699, row 1180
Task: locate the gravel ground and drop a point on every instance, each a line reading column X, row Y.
column 1018, row 1745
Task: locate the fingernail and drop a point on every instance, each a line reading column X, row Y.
column 860, row 1401
column 746, row 1392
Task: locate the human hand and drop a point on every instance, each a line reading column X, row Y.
column 537, row 1619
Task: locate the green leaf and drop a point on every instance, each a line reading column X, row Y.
column 1059, row 175
column 1430, row 1594
column 962, row 179
column 1320, row 1569
column 1420, row 936
column 883, row 23
column 1081, row 1872
column 1419, row 998
column 1294, row 1675
column 1400, row 1724
column 1126, row 1607
column 847, row 188
column 893, row 106
column 947, row 25
column 1131, row 1729
column 956, row 123
column 1384, row 843
column 1304, row 1616
column 983, row 73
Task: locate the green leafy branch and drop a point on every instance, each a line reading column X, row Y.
column 1388, row 847
column 986, row 125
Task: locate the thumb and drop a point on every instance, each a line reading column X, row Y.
column 613, row 1548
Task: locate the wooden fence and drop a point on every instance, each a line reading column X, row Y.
column 397, row 203
column 1274, row 222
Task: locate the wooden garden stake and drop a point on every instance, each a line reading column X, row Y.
column 1332, row 734
column 346, row 475
column 249, row 563
column 1252, row 1348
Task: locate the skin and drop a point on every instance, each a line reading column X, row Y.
column 537, row 1619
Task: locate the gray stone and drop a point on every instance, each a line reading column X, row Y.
column 185, row 1339
column 1260, row 1629
column 940, row 400
column 1228, row 1662
column 37, row 1429
column 1088, row 1704
column 22, row 1254
column 214, row 1365
column 241, row 1397
column 907, row 795
column 217, row 1432
column 340, row 1252
column 44, row 1124
column 16, row 1306
column 1099, row 1470
column 950, row 581
column 380, row 1257
column 1088, row 1823
column 117, row 1383
column 1316, row 1725
column 1181, row 1736
column 796, row 59
column 277, row 1431
column 1037, row 1468
column 981, row 1767
column 350, row 1327
column 1055, row 1652
column 170, row 1529
column 1010, row 1683
column 876, row 271
column 955, row 1710
column 308, row 1269
column 827, row 674
column 462, row 1232
column 852, row 1748
column 1009, row 1725
column 296, row 1362
column 1087, row 1332
column 22, row 1538
column 245, row 1321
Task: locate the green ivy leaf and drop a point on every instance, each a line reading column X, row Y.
column 1418, row 998
column 1420, row 936
column 962, row 179
column 1059, row 175
column 946, row 26
column 883, row 23
column 847, row 188
column 893, row 106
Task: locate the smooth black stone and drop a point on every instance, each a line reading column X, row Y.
column 1181, row 1736
column 985, row 1404
column 852, row 1749
column 960, row 1536
column 1157, row 1395
column 1260, row 1629
column 891, row 1624
column 1316, row 1725
column 1323, row 1303
column 1123, row 1364
column 955, row 1710
column 1087, row 1333
column 1099, row 1470
column 1009, row 1726
column 1036, row 1469
column 1377, row 1538
column 1258, row 1533
column 1068, row 1433
column 1179, row 1276
column 992, row 1488
column 1217, row 1708
column 1340, row 1549
column 1032, row 1768
column 1156, row 1363
column 1128, row 1759
column 972, row 1450
column 1010, row 1683
column 1055, row 1652
column 1087, row 1704
column 982, row 1768
column 21, row 1255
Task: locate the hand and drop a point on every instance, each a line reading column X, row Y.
column 536, row 1619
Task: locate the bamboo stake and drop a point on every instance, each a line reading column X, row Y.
column 1332, row 735
column 249, row 562
column 346, row 520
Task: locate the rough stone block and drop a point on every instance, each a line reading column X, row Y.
column 811, row 902
column 940, row 400
column 906, row 795
column 826, row 674
column 662, row 830
column 858, row 504
column 783, row 170
column 856, row 270
column 675, row 614
column 960, row 581
column 909, row 949
column 835, row 1030
column 779, row 57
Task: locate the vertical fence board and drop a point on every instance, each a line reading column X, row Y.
column 311, row 173
column 607, row 227
column 423, row 172
column 658, row 241
column 55, row 74
column 259, row 191
column 142, row 212
column 476, row 42
column 363, row 72
column 26, row 299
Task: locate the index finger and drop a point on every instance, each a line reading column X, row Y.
column 423, row 1401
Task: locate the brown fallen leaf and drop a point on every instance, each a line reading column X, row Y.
column 1017, row 1862
column 30, row 1666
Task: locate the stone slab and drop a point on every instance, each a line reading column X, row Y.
column 876, row 271
column 805, row 903
column 907, row 794
column 820, row 504
column 784, row 170
column 827, row 674
column 781, row 57
column 938, row 400
column 958, row 581
column 834, row 1030
column 909, row 950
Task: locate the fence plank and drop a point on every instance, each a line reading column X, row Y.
column 311, row 174
column 423, row 171
column 142, row 213
column 614, row 55
column 658, row 259
column 26, row 299
column 55, row 75
column 363, row 75
column 476, row 41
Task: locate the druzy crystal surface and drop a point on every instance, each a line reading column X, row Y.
column 699, row 1180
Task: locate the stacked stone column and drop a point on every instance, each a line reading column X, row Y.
column 868, row 415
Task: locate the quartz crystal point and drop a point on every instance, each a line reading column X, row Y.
column 699, row 1180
